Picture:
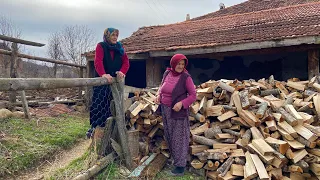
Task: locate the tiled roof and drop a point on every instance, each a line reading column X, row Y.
column 279, row 23
column 252, row 6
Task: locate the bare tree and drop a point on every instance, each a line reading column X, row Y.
column 8, row 28
column 76, row 40
column 55, row 50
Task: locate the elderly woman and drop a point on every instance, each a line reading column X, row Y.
column 176, row 93
column 110, row 61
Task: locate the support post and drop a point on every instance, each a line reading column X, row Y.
column 149, row 71
column 153, row 70
column 117, row 93
column 13, row 71
column 313, row 63
column 80, row 88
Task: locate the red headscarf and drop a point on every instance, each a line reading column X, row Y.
column 174, row 62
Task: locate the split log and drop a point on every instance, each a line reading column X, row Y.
column 246, row 137
column 250, row 171
column 101, row 164
column 202, row 140
column 262, row 172
column 224, row 168
column 244, row 99
column 239, row 161
column 269, row 92
column 304, row 165
column 262, row 146
column 288, row 117
column 212, row 132
column 279, row 145
column 262, row 109
column 237, row 170
column 231, row 132
column 226, row 87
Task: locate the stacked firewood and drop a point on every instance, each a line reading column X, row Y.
column 244, row 129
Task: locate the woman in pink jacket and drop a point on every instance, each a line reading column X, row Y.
column 176, row 93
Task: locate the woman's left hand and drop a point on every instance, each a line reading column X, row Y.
column 177, row 107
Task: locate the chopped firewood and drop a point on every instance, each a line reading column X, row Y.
column 305, row 142
column 213, row 132
column 244, row 99
column 263, row 147
column 304, row 165
column 235, row 127
column 227, row 176
column 316, row 102
column 285, row 134
column 204, row 141
column 265, row 158
column 262, row 172
column 237, row 153
column 222, row 145
column 198, row 148
column 224, row 136
column 222, row 125
column 313, row 129
column 200, row 130
column 195, row 108
column 278, row 117
column 315, row 168
column 296, row 85
column 241, row 121
column 237, row 170
column 224, row 168
column 305, row 133
column 275, row 173
column 298, row 155
column 288, row 117
column 315, row 152
column 214, row 111
column 239, row 161
column 289, row 108
column 203, row 105
column 271, row 125
column 256, row 134
column 199, row 117
column 226, row 116
column 294, row 168
column 288, row 128
column 262, row 109
column 231, row 132
column 197, row 164
column 295, row 144
column 279, row 145
column 269, row 92
column 246, row 137
column 226, row 87
column 275, row 135
column 250, row 171
column 212, row 174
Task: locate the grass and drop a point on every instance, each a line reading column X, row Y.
column 27, row 142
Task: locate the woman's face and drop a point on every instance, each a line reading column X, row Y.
column 180, row 66
column 114, row 38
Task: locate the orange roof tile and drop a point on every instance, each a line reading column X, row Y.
column 280, row 23
column 252, row 6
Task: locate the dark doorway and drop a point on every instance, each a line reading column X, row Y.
column 136, row 76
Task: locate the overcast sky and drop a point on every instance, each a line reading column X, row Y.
column 37, row 19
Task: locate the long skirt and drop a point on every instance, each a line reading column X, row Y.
column 100, row 105
column 177, row 134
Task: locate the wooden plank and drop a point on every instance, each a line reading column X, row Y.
column 263, row 147
column 262, row 172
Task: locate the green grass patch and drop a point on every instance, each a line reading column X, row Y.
column 28, row 141
column 111, row 172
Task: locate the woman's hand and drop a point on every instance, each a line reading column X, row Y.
column 177, row 107
column 108, row 77
column 120, row 75
column 157, row 99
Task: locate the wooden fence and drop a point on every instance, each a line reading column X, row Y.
column 16, row 84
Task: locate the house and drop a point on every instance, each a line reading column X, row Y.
column 254, row 39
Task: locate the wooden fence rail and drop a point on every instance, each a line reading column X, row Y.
column 20, row 41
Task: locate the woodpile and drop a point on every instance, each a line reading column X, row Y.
column 265, row 129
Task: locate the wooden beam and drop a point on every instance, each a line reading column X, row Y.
column 313, row 63
column 137, row 172
column 5, row 52
column 16, row 84
column 20, row 41
column 149, row 72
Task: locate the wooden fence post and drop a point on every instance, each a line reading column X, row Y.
column 117, row 93
column 14, row 74
column 80, row 88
